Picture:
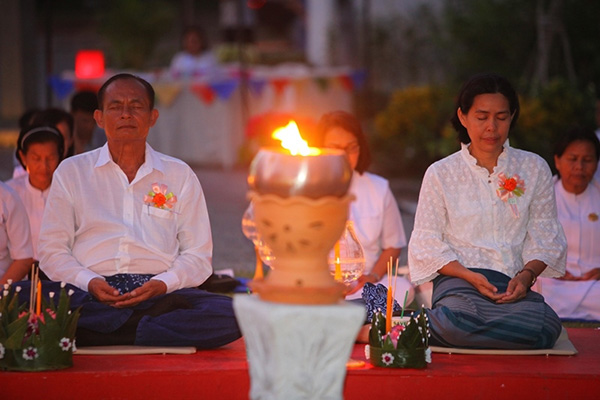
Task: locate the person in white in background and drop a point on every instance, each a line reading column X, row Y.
column 374, row 212
column 597, row 174
column 39, row 150
column 576, row 295
column 16, row 253
column 196, row 59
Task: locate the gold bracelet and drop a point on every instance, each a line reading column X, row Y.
column 533, row 275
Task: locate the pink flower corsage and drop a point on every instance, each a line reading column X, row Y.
column 159, row 198
column 510, row 189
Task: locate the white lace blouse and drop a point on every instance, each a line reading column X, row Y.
column 460, row 216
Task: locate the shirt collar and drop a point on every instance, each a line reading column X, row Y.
column 152, row 160
column 472, row 161
column 32, row 189
column 103, row 157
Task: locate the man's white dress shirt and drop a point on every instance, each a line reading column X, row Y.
column 97, row 224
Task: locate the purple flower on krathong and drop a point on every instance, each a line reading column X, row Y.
column 65, row 344
column 2, row 351
column 30, row 353
column 387, row 358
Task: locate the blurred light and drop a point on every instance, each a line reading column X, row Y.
column 89, row 64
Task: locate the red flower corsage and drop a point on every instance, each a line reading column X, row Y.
column 159, row 197
column 509, row 189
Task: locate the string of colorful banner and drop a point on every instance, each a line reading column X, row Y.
column 208, row 91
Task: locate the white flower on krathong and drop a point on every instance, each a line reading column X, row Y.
column 65, row 344
column 159, row 197
column 70, row 292
column 2, row 351
column 73, row 346
column 387, row 358
column 30, row 353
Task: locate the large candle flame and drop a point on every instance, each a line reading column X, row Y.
column 291, row 140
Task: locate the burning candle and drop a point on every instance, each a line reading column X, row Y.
column 390, row 299
column 296, row 169
column 38, row 301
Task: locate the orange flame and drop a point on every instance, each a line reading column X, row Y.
column 291, row 140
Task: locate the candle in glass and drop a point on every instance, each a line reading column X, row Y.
column 338, row 267
column 258, row 271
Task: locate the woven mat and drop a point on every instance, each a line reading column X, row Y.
column 122, row 350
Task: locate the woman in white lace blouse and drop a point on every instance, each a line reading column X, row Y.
column 485, row 228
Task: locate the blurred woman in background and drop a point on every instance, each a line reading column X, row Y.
column 576, row 296
column 374, row 212
column 39, row 150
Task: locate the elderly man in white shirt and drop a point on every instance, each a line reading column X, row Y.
column 16, row 253
column 129, row 228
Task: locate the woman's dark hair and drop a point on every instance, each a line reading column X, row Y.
column 577, row 134
column 350, row 123
column 483, row 84
column 123, row 76
column 84, row 100
column 52, row 117
column 39, row 134
column 25, row 118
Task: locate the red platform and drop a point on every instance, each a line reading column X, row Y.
column 223, row 374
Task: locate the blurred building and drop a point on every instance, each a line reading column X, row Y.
column 39, row 38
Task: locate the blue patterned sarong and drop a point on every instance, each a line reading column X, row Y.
column 185, row 317
column 125, row 283
column 375, row 298
column 463, row 317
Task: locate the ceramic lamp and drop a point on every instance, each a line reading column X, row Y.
column 300, row 210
